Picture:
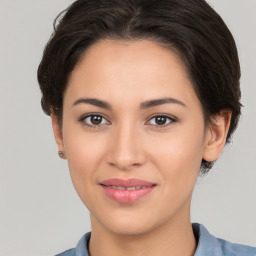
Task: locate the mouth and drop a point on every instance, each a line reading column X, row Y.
column 127, row 191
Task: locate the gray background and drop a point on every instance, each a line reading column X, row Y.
column 40, row 213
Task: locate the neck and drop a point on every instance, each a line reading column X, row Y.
column 174, row 238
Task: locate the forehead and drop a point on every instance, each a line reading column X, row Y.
column 151, row 55
column 130, row 70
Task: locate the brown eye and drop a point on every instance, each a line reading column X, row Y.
column 93, row 120
column 161, row 120
column 96, row 120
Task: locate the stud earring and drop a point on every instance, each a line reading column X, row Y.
column 61, row 154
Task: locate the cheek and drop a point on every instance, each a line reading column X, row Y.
column 84, row 155
column 178, row 157
column 181, row 148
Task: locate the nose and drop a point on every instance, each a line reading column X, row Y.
column 126, row 148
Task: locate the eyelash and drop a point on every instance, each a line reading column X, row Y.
column 170, row 118
column 82, row 120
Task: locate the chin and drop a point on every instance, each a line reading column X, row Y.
column 129, row 228
column 131, row 223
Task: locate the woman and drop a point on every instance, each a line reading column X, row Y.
column 143, row 96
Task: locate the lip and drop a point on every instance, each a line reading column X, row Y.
column 127, row 190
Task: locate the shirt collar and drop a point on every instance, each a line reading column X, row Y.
column 81, row 248
column 207, row 244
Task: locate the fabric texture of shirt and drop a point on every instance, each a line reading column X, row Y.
column 208, row 245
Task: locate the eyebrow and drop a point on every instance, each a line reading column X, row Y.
column 143, row 105
column 94, row 102
column 157, row 102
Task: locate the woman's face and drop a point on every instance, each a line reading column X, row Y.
column 130, row 113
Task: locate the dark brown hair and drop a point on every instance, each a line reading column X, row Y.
column 190, row 27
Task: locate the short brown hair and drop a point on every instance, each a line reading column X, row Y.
column 191, row 27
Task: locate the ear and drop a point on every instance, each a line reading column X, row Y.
column 58, row 134
column 216, row 135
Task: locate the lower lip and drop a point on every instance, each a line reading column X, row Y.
column 127, row 196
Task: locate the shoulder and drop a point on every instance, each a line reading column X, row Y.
column 70, row 252
column 233, row 249
column 81, row 248
column 212, row 246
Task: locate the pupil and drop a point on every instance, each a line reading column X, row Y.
column 161, row 120
column 96, row 120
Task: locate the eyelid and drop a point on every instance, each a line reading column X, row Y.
column 83, row 117
column 170, row 117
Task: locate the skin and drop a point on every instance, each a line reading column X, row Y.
column 129, row 143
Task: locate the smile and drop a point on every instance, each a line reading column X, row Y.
column 124, row 188
column 127, row 191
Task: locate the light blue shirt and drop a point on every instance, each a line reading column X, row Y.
column 208, row 245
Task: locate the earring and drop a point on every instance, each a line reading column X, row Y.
column 61, row 154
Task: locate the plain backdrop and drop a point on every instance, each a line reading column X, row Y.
column 40, row 213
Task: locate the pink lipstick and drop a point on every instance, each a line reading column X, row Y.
column 127, row 191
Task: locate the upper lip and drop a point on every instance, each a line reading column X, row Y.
column 127, row 183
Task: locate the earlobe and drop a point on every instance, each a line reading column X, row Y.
column 58, row 134
column 216, row 135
